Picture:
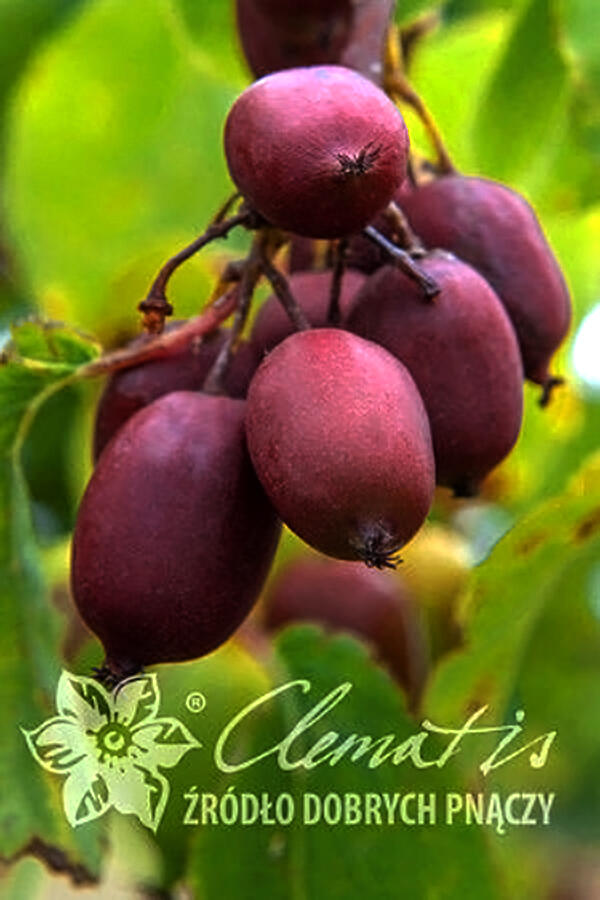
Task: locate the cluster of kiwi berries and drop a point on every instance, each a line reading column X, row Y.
column 362, row 386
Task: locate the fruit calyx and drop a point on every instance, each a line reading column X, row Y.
column 112, row 673
column 376, row 546
column 359, row 163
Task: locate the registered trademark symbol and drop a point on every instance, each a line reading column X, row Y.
column 195, row 701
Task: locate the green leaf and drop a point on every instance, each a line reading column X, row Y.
column 115, row 161
column 583, row 42
column 526, row 96
column 459, row 9
column 450, row 71
column 211, row 27
column 558, row 670
column 22, row 25
column 408, row 10
column 580, row 17
column 361, row 860
column 52, row 342
column 508, row 595
column 40, row 359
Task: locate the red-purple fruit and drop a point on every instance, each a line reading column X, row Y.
column 461, row 351
column 339, row 438
column 495, row 230
column 278, row 34
column 345, row 596
column 282, row 35
column 366, row 45
column 362, row 253
column 312, row 291
column 174, row 535
column 184, row 369
column 318, row 151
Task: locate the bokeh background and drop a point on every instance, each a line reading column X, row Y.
column 111, row 115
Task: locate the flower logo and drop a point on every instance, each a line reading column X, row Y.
column 111, row 747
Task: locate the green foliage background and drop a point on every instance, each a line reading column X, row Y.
column 111, row 116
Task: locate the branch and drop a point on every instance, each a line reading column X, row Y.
column 333, row 311
column 54, row 859
column 398, row 87
column 282, row 291
column 244, row 291
column 164, row 344
column 405, row 262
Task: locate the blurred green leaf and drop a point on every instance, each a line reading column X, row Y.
column 408, row 10
column 321, row 859
column 212, row 29
column 559, row 670
column 450, row 70
column 38, row 362
column 526, row 95
column 459, row 9
column 229, row 679
column 582, row 31
column 581, row 20
column 129, row 114
column 508, row 595
column 22, row 26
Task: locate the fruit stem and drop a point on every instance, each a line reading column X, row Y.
column 284, row 294
column 334, row 313
column 155, row 306
column 551, row 382
column 412, row 34
column 214, row 382
column 220, row 215
column 397, row 85
column 110, row 673
column 164, row 344
column 405, row 262
column 407, row 238
column 376, row 547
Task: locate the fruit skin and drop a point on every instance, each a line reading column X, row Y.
column 362, row 254
column 365, row 48
column 131, row 389
column 277, row 36
column 339, row 438
column 318, row 151
column 366, row 256
column 311, row 290
column 461, row 351
column 280, row 35
column 495, row 230
column 345, row 596
column 174, row 535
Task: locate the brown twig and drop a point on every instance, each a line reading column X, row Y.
column 212, row 233
column 155, row 307
column 164, row 344
column 56, row 860
column 333, row 311
column 411, row 35
column 407, row 239
column 282, row 291
column 405, row 262
column 397, row 85
column 215, row 380
column 220, row 215
column 551, row 382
